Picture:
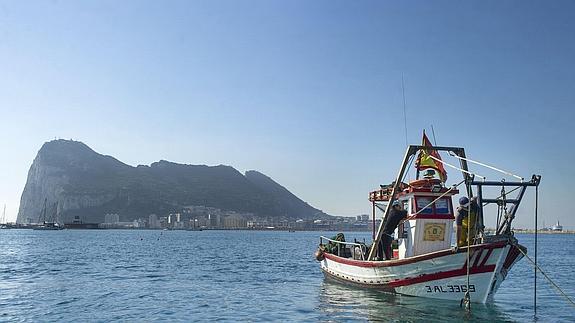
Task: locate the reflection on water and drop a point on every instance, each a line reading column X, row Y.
column 513, row 301
column 341, row 302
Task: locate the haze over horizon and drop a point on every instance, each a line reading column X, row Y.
column 308, row 93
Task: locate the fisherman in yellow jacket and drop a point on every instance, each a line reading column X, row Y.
column 466, row 218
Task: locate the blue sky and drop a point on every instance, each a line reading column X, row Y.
column 307, row 92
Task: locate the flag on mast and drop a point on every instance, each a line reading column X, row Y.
column 424, row 160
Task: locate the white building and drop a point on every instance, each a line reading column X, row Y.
column 215, row 220
column 112, row 218
column 153, row 222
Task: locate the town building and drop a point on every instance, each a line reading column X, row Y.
column 153, row 222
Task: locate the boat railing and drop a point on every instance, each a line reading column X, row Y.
column 362, row 247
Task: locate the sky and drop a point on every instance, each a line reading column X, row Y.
column 307, row 92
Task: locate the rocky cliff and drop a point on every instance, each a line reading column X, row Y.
column 83, row 182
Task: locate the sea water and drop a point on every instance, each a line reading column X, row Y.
column 132, row 275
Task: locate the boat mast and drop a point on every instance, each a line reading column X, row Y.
column 404, row 110
column 43, row 212
column 56, row 213
column 3, row 220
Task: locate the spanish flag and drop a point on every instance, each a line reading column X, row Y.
column 424, row 160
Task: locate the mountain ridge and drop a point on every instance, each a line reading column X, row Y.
column 88, row 184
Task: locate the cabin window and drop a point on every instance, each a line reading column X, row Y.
column 406, row 205
column 442, row 206
column 423, row 202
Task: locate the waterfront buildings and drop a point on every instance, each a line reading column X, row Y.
column 203, row 217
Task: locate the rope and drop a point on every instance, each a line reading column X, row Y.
column 498, row 216
column 454, row 167
column 500, row 196
column 503, row 206
column 535, row 273
column 467, row 298
column 485, row 165
column 547, row 277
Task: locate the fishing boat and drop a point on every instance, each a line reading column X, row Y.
column 424, row 262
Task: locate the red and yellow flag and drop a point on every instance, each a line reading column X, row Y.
column 425, row 161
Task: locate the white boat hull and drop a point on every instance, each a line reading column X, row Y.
column 440, row 274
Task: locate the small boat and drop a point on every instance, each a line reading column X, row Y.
column 49, row 226
column 3, row 224
column 557, row 227
column 425, row 263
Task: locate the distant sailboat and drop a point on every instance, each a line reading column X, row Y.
column 3, row 224
column 52, row 222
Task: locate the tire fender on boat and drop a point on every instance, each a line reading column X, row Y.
column 319, row 256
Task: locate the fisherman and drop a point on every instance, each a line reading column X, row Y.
column 466, row 219
column 396, row 214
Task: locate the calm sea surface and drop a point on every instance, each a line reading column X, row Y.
column 77, row 275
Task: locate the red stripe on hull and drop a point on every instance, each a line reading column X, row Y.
column 511, row 256
column 383, row 287
column 486, row 257
column 399, row 262
column 441, row 275
column 415, row 280
column 477, row 257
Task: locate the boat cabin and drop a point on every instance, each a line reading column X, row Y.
column 430, row 216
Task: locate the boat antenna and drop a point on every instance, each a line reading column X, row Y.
column 404, row 110
column 433, row 133
column 535, row 274
column 57, row 213
column 466, row 300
